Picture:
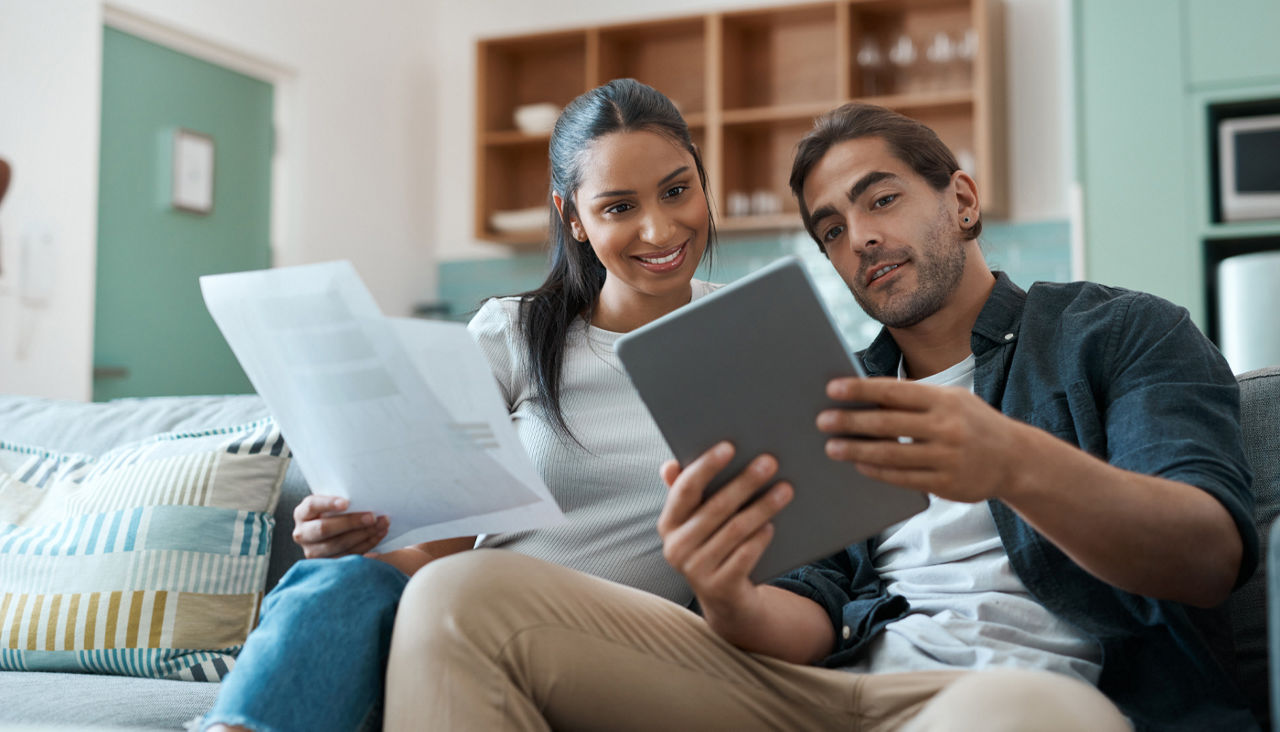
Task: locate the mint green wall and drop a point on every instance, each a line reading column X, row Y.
column 1138, row 232
column 1027, row 251
column 149, row 317
column 1143, row 69
column 1233, row 42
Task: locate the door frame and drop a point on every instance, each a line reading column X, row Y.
column 283, row 245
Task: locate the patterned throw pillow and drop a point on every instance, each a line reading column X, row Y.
column 148, row 560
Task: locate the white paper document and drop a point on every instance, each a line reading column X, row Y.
column 402, row 417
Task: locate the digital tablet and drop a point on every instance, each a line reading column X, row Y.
column 749, row 363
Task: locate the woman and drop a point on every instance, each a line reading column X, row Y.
column 630, row 221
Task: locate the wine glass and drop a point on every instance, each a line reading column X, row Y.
column 941, row 54
column 871, row 62
column 903, row 56
column 966, row 50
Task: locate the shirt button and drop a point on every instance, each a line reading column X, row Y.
column 845, row 632
column 1008, row 336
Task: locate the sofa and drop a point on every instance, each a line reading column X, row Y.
column 108, row 701
column 94, row 700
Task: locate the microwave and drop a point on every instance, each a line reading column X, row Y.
column 1249, row 167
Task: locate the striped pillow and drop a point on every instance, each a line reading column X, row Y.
column 148, row 560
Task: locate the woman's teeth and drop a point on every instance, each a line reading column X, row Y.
column 662, row 260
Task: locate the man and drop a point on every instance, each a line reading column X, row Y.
column 1088, row 501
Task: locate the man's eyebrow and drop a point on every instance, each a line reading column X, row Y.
column 673, row 174
column 855, row 192
column 866, row 182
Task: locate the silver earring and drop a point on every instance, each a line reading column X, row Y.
column 966, row 219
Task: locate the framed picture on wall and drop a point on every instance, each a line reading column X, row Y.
column 192, row 171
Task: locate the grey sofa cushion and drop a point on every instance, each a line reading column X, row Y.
column 89, row 700
column 95, row 428
column 1260, row 418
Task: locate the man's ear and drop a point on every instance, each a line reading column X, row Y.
column 575, row 227
column 965, row 190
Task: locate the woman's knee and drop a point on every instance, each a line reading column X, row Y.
column 341, row 581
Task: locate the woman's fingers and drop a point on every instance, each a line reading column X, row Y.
column 342, row 544
column 314, row 506
column 329, row 536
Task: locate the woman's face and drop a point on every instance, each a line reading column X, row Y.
column 641, row 207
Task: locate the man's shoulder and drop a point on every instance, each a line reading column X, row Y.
column 1095, row 301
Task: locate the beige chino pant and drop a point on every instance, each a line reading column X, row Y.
column 492, row 640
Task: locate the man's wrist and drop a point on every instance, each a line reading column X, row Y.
column 1026, row 450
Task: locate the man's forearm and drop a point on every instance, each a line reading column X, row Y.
column 1141, row 533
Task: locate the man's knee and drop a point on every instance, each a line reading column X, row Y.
column 465, row 593
column 1007, row 700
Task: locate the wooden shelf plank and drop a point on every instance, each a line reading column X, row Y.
column 765, row 222
column 922, row 100
column 789, row 113
column 531, row 239
column 515, row 137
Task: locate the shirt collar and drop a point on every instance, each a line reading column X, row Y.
column 997, row 325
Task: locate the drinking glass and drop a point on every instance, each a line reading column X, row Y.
column 871, row 63
column 941, row 54
column 903, row 57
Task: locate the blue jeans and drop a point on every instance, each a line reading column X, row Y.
column 318, row 657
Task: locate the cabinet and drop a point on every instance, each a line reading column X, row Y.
column 749, row 83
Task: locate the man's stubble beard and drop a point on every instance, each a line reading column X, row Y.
column 937, row 277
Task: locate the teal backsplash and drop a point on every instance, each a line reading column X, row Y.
column 1026, row 251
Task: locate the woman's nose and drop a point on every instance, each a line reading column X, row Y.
column 657, row 228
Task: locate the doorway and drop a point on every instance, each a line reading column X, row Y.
column 152, row 334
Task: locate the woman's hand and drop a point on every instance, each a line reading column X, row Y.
column 322, row 530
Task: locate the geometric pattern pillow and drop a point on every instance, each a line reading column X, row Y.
column 148, row 560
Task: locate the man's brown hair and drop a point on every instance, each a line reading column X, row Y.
column 910, row 141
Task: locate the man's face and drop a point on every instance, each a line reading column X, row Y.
column 894, row 240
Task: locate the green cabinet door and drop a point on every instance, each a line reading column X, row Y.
column 152, row 334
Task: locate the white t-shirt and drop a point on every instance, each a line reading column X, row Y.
column 968, row 608
column 608, row 487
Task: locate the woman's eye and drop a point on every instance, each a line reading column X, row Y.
column 618, row 208
column 883, row 201
column 675, row 191
column 832, row 233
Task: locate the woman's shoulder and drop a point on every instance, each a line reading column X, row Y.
column 497, row 311
column 701, row 288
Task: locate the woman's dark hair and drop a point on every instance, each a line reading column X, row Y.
column 576, row 276
column 910, row 141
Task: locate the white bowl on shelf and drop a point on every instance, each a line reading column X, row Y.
column 535, row 119
column 523, row 219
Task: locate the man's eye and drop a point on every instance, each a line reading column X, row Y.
column 618, row 208
column 832, row 233
column 885, row 200
column 675, row 191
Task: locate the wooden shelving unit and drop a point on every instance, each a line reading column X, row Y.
column 749, row 83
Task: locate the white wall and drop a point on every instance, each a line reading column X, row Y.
column 1039, row 99
column 50, row 83
column 358, row 182
column 378, row 140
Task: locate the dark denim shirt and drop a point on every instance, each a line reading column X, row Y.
column 1127, row 377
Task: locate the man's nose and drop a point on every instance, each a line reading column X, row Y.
column 861, row 236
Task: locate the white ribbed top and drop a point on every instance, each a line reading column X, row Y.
column 610, row 491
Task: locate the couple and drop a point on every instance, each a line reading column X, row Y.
column 1080, row 446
